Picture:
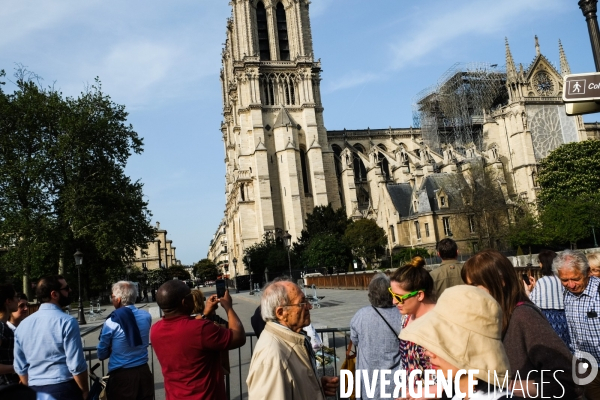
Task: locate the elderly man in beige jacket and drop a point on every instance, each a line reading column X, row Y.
column 283, row 364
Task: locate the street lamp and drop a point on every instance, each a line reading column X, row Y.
column 250, row 271
column 78, row 263
column 128, row 270
column 287, row 242
column 235, row 275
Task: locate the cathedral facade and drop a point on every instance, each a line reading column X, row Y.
column 281, row 161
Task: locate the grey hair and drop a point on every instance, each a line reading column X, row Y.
column 570, row 259
column 275, row 295
column 379, row 295
column 126, row 291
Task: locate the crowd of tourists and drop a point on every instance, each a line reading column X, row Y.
column 523, row 337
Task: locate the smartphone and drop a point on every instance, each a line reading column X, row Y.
column 526, row 279
column 221, row 287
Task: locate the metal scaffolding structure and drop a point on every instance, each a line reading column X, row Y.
column 452, row 111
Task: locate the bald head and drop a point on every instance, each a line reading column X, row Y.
column 170, row 295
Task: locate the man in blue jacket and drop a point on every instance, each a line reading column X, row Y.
column 124, row 338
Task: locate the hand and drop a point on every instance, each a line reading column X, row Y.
column 330, row 385
column 226, row 301
column 212, row 303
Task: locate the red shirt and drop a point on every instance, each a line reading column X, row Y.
column 188, row 352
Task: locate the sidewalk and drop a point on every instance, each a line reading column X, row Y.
column 337, row 309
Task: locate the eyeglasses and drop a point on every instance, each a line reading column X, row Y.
column 402, row 298
column 305, row 304
column 67, row 288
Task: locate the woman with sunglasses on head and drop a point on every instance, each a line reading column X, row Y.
column 531, row 344
column 413, row 294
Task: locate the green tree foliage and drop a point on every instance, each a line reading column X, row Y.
column 326, row 250
column 404, row 255
column 207, row 269
column 569, row 199
column 570, row 171
column 177, row 271
column 366, row 239
column 526, row 228
column 157, row 277
column 63, row 185
column 269, row 253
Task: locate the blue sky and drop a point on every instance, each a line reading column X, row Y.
column 162, row 60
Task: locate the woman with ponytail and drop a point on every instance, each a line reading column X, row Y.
column 413, row 294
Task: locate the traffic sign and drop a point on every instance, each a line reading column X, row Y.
column 581, row 87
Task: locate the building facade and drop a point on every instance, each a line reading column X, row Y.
column 217, row 250
column 281, row 161
column 160, row 252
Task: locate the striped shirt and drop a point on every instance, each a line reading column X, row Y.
column 583, row 318
column 548, row 293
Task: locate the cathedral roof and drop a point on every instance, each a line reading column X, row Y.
column 401, row 194
column 450, row 184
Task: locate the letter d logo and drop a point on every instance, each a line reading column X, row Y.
column 584, row 368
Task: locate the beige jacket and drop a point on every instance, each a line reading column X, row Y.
column 280, row 368
column 446, row 276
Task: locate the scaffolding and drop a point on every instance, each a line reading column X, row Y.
column 453, row 110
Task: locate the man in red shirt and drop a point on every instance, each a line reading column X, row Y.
column 188, row 348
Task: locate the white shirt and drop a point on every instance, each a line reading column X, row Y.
column 11, row 326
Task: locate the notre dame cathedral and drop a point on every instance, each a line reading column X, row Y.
column 281, row 161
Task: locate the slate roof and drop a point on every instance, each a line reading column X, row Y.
column 401, row 194
column 447, row 182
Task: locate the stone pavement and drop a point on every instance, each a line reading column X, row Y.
column 337, row 309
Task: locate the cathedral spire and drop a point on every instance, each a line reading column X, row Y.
column 564, row 64
column 511, row 71
column 537, row 46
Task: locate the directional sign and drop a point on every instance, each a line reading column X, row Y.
column 581, row 87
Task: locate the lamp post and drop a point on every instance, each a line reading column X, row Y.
column 250, row 272
column 78, row 263
column 287, row 242
column 128, row 270
column 589, row 9
column 235, row 275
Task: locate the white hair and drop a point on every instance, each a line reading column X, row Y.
column 570, row 259
column 126, row 291
column 275, row 295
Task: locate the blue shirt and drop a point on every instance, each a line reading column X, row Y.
column 113, row 342
column 48, row 347
column 583, row 318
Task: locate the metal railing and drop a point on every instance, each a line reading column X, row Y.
column 338, row 341
column 91, row 356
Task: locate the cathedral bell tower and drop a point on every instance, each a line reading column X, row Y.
column 279, row 165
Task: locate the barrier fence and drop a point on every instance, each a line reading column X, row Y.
column 336, row 338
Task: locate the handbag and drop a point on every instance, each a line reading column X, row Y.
column 350, row 364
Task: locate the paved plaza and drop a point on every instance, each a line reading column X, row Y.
column 337, row 309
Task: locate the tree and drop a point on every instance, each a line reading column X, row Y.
column 269, row 253
column 207, row 269
column 63, row 185
column 526, row 229
column 325, row 250
column 406, row 254
column 366, row 239
column 177, row 271
column 569, row 193
column 570, row 171
column 323, row 222
column 483, row 203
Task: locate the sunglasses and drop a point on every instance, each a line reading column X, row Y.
column 402, row 298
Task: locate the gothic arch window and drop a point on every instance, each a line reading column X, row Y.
column 337, row 154
column 534, row 179
column 304, row 165
column 360, row 172
column 282, row 34
column 242, row 194
column 384, row 165
column 263, row 31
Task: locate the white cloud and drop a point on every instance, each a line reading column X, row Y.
column 471, row 19
column 351, row 79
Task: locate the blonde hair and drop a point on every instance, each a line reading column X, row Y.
column 198, row 297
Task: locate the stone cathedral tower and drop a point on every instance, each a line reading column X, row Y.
column 279, row 165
